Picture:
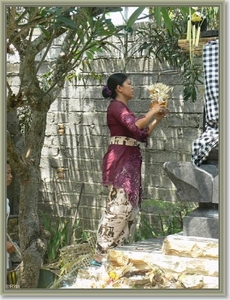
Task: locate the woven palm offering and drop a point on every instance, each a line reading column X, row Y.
column 79, row 254
column 159, row 93
column 74, row 257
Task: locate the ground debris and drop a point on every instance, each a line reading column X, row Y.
column 98, row 277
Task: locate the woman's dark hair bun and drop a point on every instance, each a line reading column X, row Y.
column 106, row 92
column 109, row 90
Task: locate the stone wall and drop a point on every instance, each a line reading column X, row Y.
column 71, row 158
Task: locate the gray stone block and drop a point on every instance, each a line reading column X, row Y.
column 202, row 223
column 211, row 169
column 193, row 183
column 215, row 193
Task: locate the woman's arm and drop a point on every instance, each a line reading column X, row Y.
column 127, row 119
column 140, row 127
column 159, row 117
column 143, row 122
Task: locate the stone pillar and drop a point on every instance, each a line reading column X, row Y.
column 198, row 184
column 204, row 221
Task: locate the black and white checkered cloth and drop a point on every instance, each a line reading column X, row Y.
column 209, row 139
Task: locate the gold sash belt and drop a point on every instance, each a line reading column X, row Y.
column 123, row 140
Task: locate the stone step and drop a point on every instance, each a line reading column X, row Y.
column 175, row 261
column 141, row 259
column 190, row 246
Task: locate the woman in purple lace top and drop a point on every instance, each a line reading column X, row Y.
column 121, row 167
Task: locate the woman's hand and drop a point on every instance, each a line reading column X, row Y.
column 160, row 115
column 10, row 247
column 156, row 107
column 162, row 112
column 158, row 111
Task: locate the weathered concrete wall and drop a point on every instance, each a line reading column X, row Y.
column 80, row 149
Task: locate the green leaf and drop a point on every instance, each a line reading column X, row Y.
column 45, row 32
column 105, row 46
column 129, row 29
column 89, row 55
column 157, row 15
column 167, row 20
column 194, row 94
column 184, row 11
column 132, row 19
column 187, row 93
column 67, row 22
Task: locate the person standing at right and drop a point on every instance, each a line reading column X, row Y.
column 121, row 167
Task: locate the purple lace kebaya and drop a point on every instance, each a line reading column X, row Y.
column 122, row 164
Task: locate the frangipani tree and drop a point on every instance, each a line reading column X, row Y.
column 32, row 31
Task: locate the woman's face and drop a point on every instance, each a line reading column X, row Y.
column 8, row 175
column 126, row 89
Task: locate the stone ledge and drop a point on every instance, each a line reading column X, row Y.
column 191, row 246
column 168, row 263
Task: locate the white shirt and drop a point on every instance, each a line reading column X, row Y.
column 7, row 216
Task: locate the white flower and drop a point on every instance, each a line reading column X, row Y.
column 159, row 92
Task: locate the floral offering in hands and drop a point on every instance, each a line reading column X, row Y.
column 159, row 93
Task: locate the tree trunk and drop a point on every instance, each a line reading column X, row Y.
column 26, row 164
column 32, row 242
column 33, row 100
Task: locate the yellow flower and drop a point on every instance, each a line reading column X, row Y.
column 113, row 275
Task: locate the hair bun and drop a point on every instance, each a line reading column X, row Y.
column 106, row 92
